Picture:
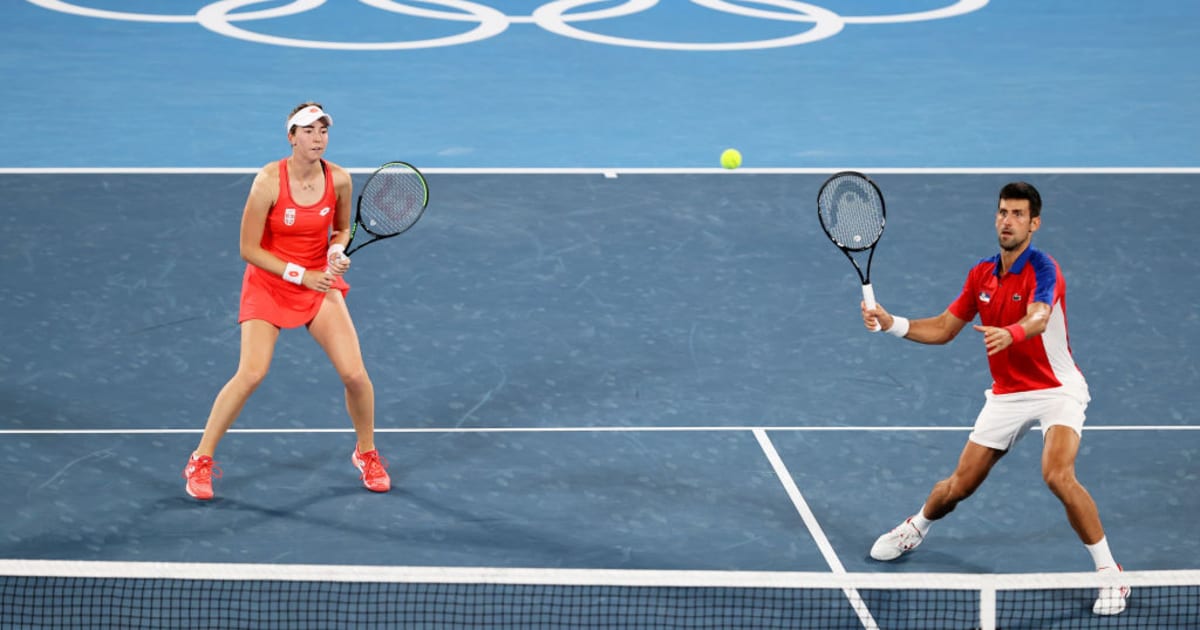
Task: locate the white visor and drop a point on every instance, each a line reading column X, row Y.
column 308, row 116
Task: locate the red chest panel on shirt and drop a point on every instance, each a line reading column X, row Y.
column 1004, row 301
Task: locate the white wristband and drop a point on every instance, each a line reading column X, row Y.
column 294, row 273
column 899, row 326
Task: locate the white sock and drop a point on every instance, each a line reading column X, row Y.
column 920, row 522
column 1101, row 554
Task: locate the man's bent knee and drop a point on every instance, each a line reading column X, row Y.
column 1059, row 480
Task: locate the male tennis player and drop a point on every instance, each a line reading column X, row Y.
column 1020, row 297
column 294, row 267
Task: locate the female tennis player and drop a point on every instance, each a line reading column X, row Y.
column 295, row 225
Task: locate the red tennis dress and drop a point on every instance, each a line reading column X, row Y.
column 297, row 234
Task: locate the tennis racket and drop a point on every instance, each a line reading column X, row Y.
column 853, row 216
column 391, row 202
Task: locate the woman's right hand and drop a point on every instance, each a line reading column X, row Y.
column 318, row 280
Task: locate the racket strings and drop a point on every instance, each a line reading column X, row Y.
column 393, row 200
column 852, row 212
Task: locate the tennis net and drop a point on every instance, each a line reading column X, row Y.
column 77, row 594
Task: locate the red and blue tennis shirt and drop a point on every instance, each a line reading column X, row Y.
column 1038, row 363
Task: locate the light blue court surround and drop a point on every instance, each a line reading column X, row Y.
column 919, row 83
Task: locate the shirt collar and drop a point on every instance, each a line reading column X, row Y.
column 1018, row 264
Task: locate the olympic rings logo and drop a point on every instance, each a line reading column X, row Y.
column 558, row 17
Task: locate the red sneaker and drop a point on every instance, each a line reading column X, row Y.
column 199, row 475
column 373, row 468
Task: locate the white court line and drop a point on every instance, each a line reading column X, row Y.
column 630, row 429
column 610, row 172
column 814, row 527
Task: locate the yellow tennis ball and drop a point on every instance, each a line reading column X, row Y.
column 731, row 158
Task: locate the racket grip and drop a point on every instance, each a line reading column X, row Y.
column 869, row 299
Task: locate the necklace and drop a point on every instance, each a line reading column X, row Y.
column 309, row 183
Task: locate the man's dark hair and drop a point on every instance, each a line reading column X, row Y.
column 1022, row 190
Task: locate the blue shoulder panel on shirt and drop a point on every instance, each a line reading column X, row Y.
column 1046, row 271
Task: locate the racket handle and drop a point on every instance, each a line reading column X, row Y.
column 869, row 298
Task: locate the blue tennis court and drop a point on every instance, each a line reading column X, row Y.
column 597, row 351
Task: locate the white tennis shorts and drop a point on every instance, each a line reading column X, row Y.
column 1006, row 418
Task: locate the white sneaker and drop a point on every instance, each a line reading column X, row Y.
column 1111, row 599
column 905, row 537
